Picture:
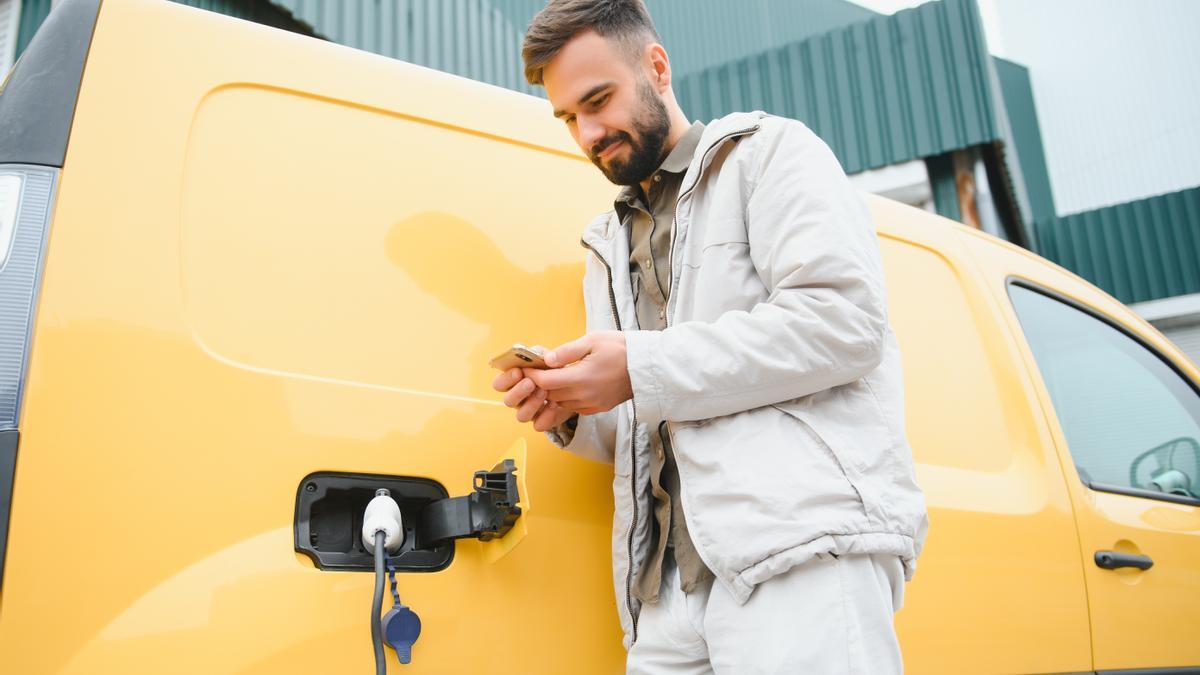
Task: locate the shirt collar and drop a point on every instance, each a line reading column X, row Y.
column 680, row 157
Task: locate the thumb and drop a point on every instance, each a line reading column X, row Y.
column 569, row 352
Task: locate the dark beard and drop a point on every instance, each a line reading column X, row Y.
column 652, row 124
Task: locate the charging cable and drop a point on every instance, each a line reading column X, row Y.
column 382, row 535
column 377, row 604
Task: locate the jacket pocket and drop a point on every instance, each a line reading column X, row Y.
column 718, row 251
column 846, row 421
column 849, row 418
column 838, row 458
column 722, row 279
column 710, row 232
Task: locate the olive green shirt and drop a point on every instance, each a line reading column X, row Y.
column 649, row 219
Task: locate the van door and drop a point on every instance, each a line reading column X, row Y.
column 271, row 257
column 1128, row 419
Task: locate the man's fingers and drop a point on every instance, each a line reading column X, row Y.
column 564, row 395
column 551, row 416
column 519, row 392
column 569, row 352
column 505, row 380
column 553, row 379
column 531, row 405
column 546, row 419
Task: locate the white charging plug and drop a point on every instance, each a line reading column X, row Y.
column 383, row 515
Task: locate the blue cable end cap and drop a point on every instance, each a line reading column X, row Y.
column 401, row 628
column 404, row 653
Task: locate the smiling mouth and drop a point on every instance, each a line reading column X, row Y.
column 608, row 152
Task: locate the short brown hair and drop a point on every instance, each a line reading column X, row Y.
column 626, row 21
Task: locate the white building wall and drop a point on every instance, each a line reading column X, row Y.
column 907, row 183
column 1117, row 85
column 1178, row 318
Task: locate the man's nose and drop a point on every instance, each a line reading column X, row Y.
column 590, row 132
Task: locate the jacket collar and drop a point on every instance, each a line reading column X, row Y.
column 599, row 234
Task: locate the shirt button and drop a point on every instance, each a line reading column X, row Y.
column 662, row 313
column 646, row 263
column 657, row 177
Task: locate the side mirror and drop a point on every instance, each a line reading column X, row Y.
column 1171, row 468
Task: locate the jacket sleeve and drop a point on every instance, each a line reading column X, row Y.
column 593, row 436
column 814, row 247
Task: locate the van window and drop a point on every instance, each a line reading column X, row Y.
column 1131, row 422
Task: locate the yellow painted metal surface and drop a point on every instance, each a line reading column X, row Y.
column 998, row 588
column 272, row 255
column 1139, row 619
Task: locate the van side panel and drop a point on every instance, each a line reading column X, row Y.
column 999, row 586
column 288, row 256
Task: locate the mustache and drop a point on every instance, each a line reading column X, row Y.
column 604, row 143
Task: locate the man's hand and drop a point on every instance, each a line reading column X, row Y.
column 589, row 375
column 529, row 400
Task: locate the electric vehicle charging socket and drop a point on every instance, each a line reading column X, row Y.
column 383, row 515
column 487, row 514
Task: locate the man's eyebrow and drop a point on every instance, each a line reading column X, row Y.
column 590, row 93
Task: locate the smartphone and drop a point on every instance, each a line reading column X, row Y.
column 518, row 356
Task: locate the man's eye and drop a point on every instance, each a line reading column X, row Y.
column 569, row 119
column 601, row 101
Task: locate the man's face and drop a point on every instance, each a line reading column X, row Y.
column 610, row 107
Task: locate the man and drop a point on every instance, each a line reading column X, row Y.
column 738, row 369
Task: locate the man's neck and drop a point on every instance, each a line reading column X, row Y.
column 679, row 129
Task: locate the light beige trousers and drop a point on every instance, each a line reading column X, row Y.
column 828, row 616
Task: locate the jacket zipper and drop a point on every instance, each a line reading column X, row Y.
column 675, row 218
column 612, row 301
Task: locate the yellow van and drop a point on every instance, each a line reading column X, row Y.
column 249, row 277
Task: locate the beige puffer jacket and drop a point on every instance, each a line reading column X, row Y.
column 778, row 374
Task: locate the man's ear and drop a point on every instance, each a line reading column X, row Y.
column 660, row 67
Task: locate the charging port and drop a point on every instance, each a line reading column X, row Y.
column 330, row 505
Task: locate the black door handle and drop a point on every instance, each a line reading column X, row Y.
column 1111, row 560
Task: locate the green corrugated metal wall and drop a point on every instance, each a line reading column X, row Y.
column 700, row 34
column 1137, row 251
column 471, row 38
column 253, row 10
column 942, row 185
column 481, row 39
column 1027, row 136
column 33, row 13
column 883, row 91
